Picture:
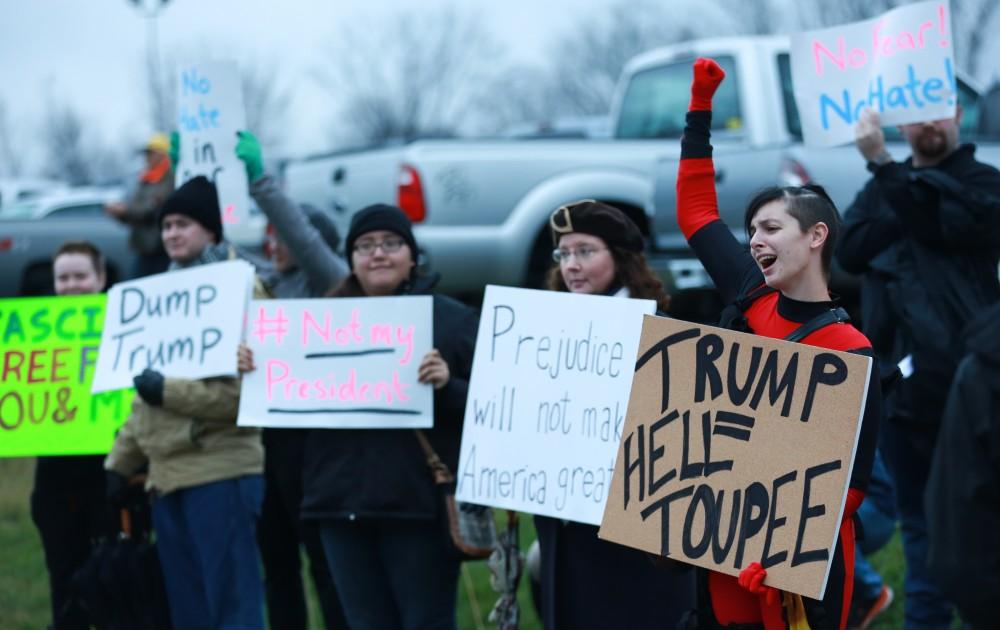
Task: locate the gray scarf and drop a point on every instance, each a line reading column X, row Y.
column 218, row 252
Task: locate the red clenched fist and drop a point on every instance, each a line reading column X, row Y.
column 707, row 77
column 752, row 577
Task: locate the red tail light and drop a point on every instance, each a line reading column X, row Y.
column 411, row 194
column 792, row 173
column 6, row 244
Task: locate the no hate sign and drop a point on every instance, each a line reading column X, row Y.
column 899, row 64
column 737, row 449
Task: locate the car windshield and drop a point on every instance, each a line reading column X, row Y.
column 656, row 101
column 972, row 128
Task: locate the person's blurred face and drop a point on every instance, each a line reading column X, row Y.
column 379, row 271
column 934, row 140
column 75, row 275
column 783, row 251
column 184, row 238
column 586, row 263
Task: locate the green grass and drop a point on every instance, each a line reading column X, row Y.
column 24, row 595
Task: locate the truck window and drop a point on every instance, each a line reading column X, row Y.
column 970, row 101
column 656, row 101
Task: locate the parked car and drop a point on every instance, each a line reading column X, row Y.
column 31, row 231
column 480, row 207
column 13, row 191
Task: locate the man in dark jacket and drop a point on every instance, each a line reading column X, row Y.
column 926, row 235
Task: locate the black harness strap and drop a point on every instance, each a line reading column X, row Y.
column 833, row 316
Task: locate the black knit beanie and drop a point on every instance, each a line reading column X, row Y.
column 597, row 219
column 380, row 217
column 199, row 200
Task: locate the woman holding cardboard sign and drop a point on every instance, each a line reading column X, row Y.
column 778, row 289
column 587, row 582
column 370, row 490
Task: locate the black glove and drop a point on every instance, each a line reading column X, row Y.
column 149, row 385
column 115, row 488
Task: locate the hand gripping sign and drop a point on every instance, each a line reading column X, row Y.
column 737, row 449
column 899, row 64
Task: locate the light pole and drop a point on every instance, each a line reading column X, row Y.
column 150, row 9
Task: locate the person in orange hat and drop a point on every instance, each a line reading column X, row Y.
column 139, row 212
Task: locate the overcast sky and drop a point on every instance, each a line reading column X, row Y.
column 92, row 52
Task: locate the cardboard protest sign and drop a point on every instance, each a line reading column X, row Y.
column 899, row 64
column 547, row 397
column 48, row 349
column 737, row 449
column 338, row 363
column 209, row 113
column 183, row 324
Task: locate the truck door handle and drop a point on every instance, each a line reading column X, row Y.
column 720, row 176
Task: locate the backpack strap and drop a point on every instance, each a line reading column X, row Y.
column 833, row 316
column 732, row 316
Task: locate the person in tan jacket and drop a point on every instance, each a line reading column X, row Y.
column 205, row 472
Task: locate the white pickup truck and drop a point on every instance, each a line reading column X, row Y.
column 480, row 206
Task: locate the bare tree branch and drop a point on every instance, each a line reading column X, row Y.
column 589, row 59
column 417, row 75
column 10, row 160
column 62, row 135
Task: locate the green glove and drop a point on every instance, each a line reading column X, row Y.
column 175, row 149
column 248, row 150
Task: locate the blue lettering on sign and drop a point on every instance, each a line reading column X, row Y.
column 912, row 94
column 191, row 83
column 200, row 120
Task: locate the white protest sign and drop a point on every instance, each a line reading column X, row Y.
column 899, row 64
column 338, row 363
column 547, row 400
column 209, row 113
column 183, row 324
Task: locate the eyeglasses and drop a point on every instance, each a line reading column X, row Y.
column 389, row 246
column 581, row 254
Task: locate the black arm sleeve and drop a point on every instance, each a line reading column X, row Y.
column 868, row 229
column 729, row 263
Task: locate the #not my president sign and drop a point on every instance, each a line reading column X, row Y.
column 899, row 64
column 737, row 449
column 48, row 350
column 209, row 113
column 338, row 363
column 184, row 324
column 547, row 397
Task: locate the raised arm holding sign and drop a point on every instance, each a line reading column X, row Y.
column 899, row 64
column 778, row 289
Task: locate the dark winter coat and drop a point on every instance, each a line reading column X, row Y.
column 382, row 473
column 963, row 491
column 928, row 242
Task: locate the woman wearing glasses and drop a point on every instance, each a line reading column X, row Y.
column 370, row 490
column 778, row 288
column 587, row 582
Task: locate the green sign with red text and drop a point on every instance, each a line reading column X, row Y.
column 48, row 350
